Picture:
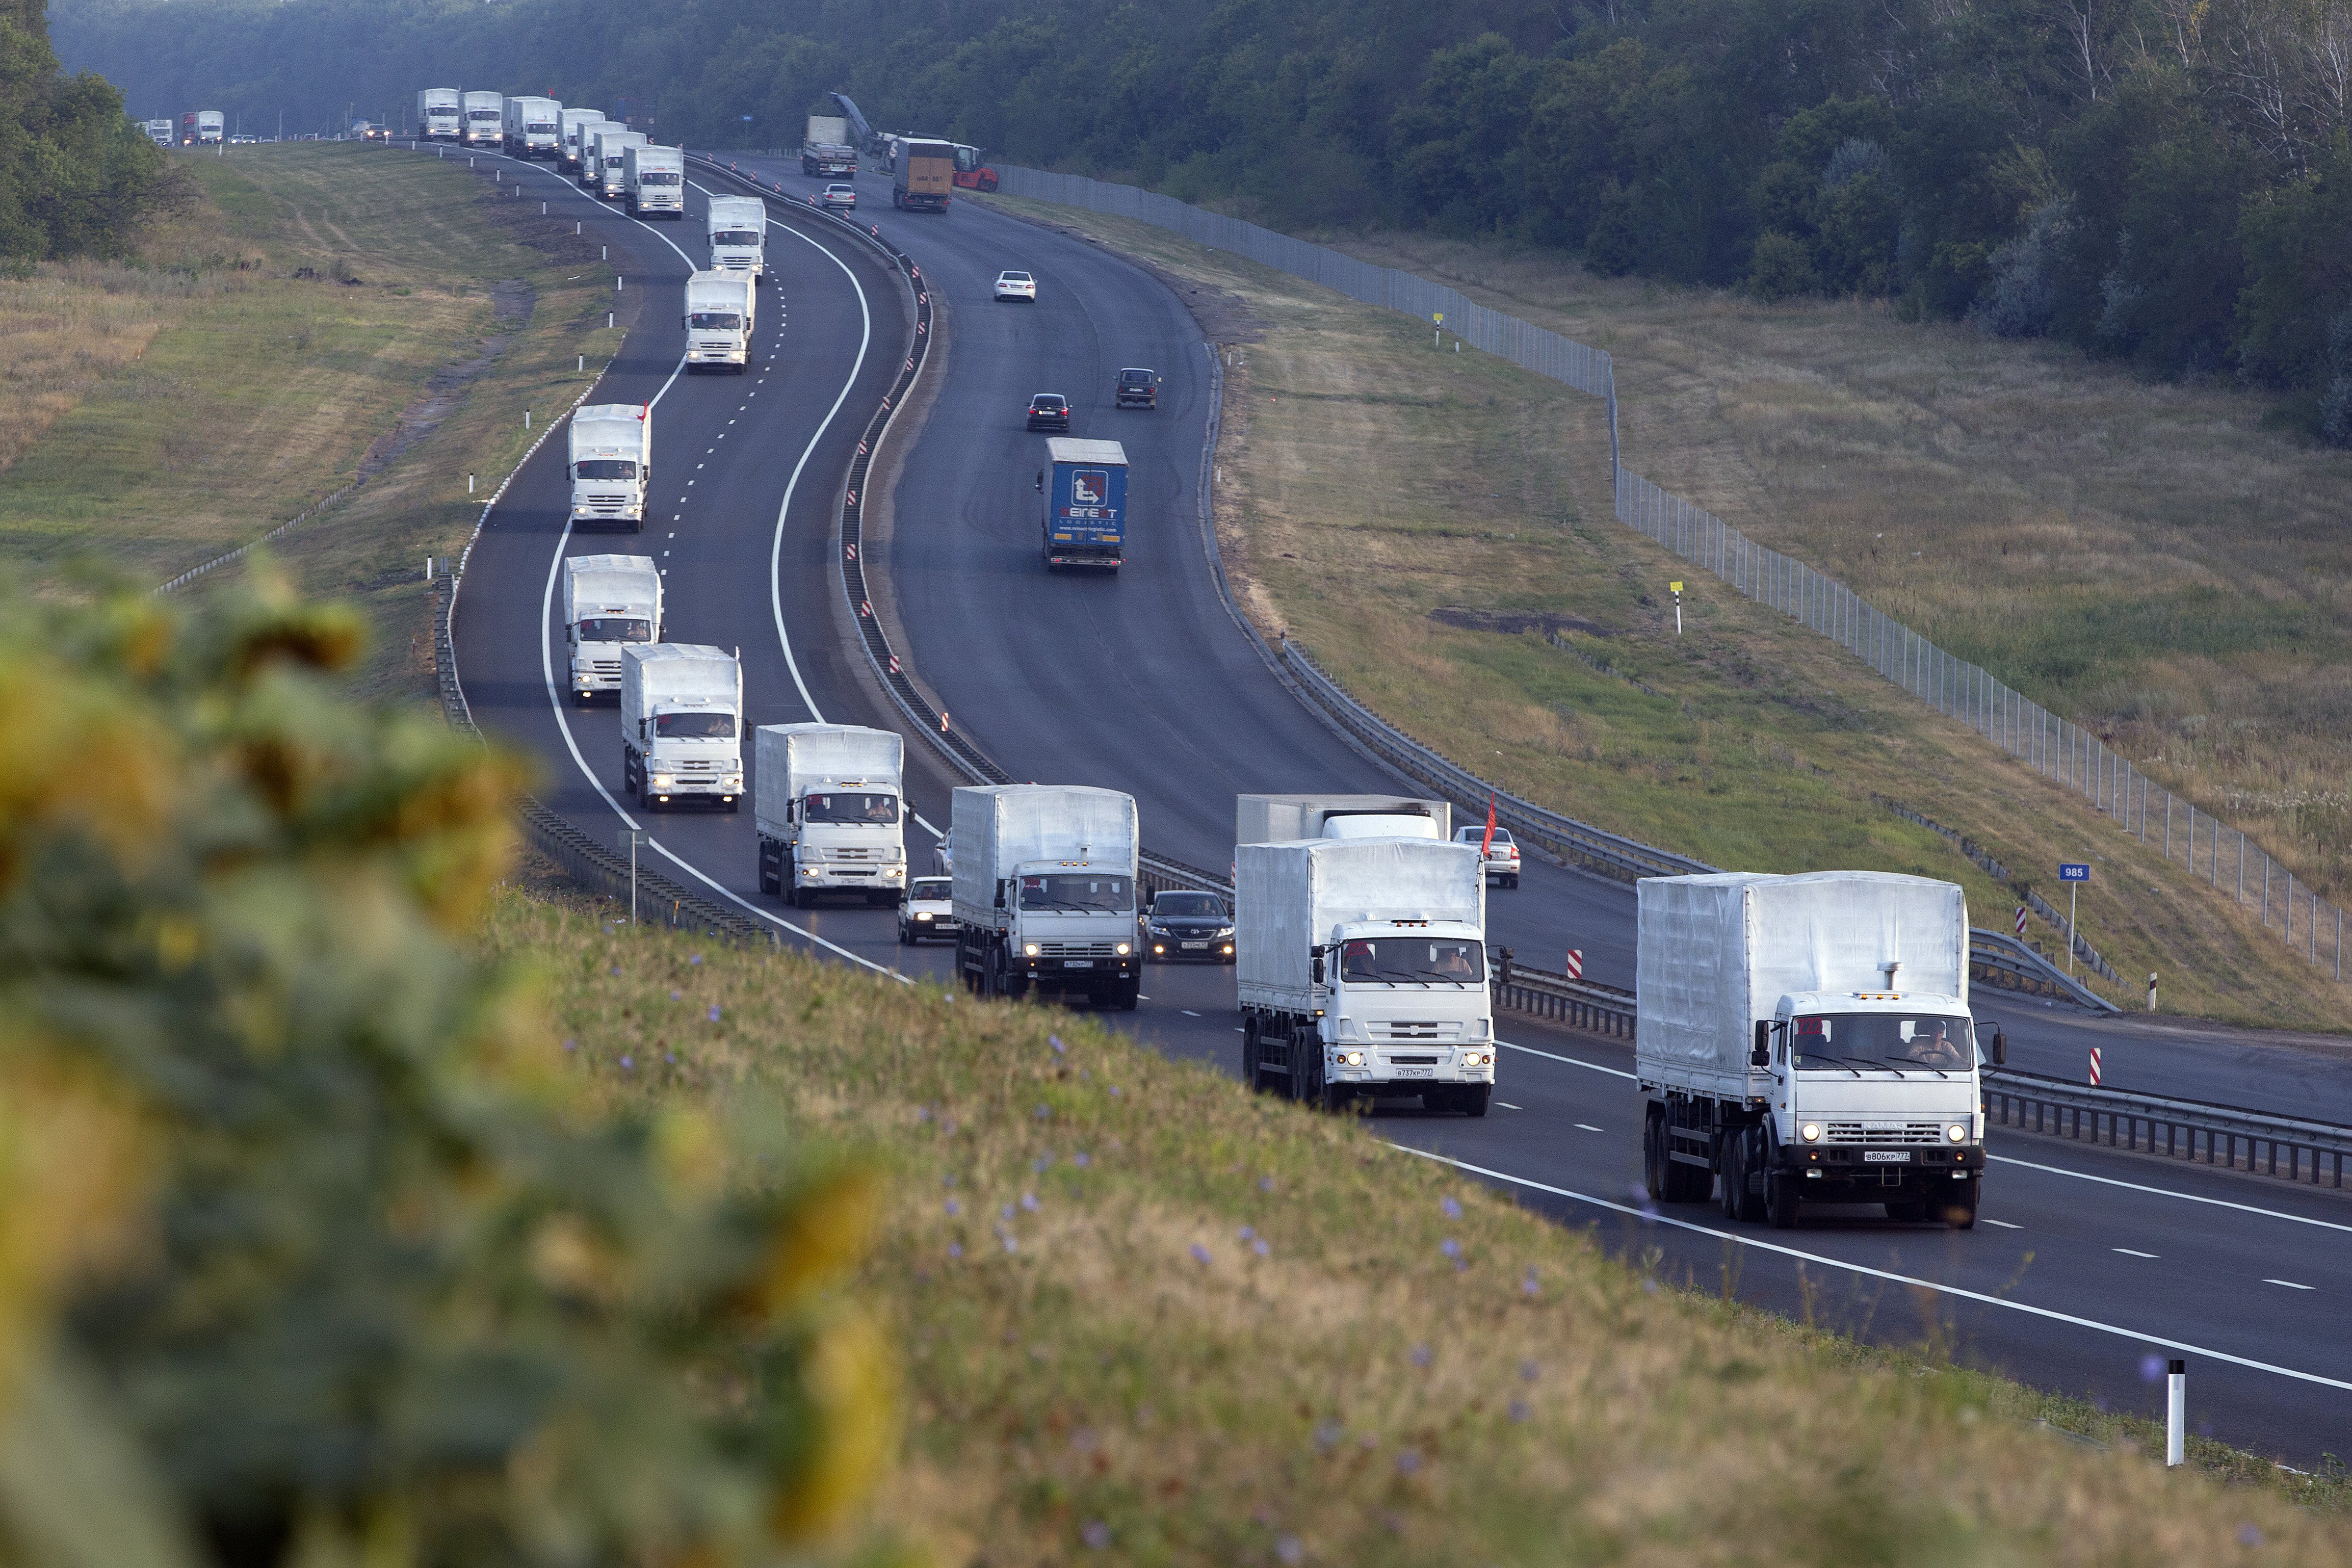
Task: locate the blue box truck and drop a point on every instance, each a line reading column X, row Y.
column 1085, row 522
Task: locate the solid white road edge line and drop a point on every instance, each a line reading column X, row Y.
column 1889, row 1276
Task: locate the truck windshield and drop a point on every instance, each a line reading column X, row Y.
column 1079, row 893
column 715, row 321
column 1407, row 960
column 695, row 726
column 734, row 237
column 869, row 808
column 616, row 628
column 658, row 177
column 1836, row 1041
column 605, row 469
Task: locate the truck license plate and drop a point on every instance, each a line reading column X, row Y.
column 1886, row 1156
column 1078, row 964
column 1416, row 1072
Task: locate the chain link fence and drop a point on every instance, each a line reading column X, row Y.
column 2063, row 751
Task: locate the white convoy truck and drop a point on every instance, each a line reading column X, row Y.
column 1044, row 892
column 718, row 321
column 1361, row 967
column 534, row 128
column 591, row 171
column 609, row 602
column 611, row 157
column 568, row 125
column 159, row 132
column 828, row 801
column 211, row 127
column 825, row 152
column 485, row 118
column 1280, row 818
column 738, row 237
column 681, row 725
column 1807, row 1039
column 612, row 458
column 439, row 114
column 654, row 181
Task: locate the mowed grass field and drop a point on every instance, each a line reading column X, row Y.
column 324, row 311
column 1375, row 486
column 1149, row 1317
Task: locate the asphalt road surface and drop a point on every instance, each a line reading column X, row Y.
column 2085, row 1263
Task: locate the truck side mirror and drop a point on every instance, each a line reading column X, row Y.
column 999, row 892
column 1762, row 1055
column 1040, row 481
column 1317, row 974
column 1999, row 1049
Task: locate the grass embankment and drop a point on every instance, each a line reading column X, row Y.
column 1144, row 1309
column 1371, row 483
column 322, row 311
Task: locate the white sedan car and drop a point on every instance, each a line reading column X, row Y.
column 1016, row 286
column 926, row 910
column 1502, row 855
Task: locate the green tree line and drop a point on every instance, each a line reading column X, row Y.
column 2163, row 182
column 75, row 175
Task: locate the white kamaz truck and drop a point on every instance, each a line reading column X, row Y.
column 212, row 127
column 738, row 237
column 485, row 118
column 1361, row 967
column 613, row 170
column 653, row 181
column 681, row 725
column 1044, row 892
column 828, row 801
column 439, row 114
column 533, row 127
column 591, row 171
column 568, row 125
column 1807, row 1039
column 612, row 457
column 718, row 321
column 609, row 602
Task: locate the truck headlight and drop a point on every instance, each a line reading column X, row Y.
column 662, row 781
column 1029, row 951
column 1125, row 948
column 1810, row 1132
column 1958, row 1132
column 1351, row 1059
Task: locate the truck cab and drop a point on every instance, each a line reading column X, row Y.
column 211, row 127
column 831, row 811
column 653, row 179
column 1045, row 890
column 439, row 114
column 610, row 461
column 718, row 321
column 1085, row 522
column 569, row 123
column 739, row 234
column 609, row 602
column 612, row 172
column 485, row 120
column 681, row 725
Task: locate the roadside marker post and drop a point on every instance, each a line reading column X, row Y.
column 2151, row 990
column 1677, row 588
column 2176, row 1411
column 630, row 838
column 2073, row 873
column 1576, row 963
column 2020, row 919
column 1437, row 338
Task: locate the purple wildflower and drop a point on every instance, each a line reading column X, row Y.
column 1408, row 1461
column 954, row 1208
column 1519, row 1410
column 1451, row 1248
column 1096, row 1535
column 713, row 1013
column 1452, row 1208
column 1200, row 1253
column 1421, row 1355
column 1029, row 1202
column 628, row 1064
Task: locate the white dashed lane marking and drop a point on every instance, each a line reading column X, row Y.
column 2130, row 1252
column 2290, row 1284
column 2002, row 1222
column 1588, row 1127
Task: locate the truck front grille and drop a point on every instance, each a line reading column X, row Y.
column 1884, row 1131
column 1075, row 950
column 1413, row 1029
column 1413, row 1061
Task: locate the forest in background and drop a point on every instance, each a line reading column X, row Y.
column 75, row 175
column 2166, row 183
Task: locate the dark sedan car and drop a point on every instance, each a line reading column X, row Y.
column 1181, row 928
column 1049, row 411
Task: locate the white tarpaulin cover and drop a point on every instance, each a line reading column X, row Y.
column 1289, row 897
column 611, row 585
column 612, row 431
column 1717, row 954
column 788, row 760
column 663, row 673
column 1000, row 826
column 1282, row 818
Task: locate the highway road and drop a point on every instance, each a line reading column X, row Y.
column 2087, row 1261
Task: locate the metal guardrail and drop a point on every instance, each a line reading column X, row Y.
column 1579, row 1004
column 2185, row 1129
column 2011, row 963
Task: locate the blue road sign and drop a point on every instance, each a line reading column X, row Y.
column 2074, row 871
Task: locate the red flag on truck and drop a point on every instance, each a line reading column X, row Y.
column 1489, row 842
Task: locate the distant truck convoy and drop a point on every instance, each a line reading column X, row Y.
column 682, row 725
column 612, row 460
column 1044, row 892
column 826, row 151
column 1084, row 521
column 1361, row 970
column 922, row 174
column 534, row 128
column 720, row 321
column 211, row 126
column 828, row 803
column 609, row 602
column 653, row 181
column 440, row 114
column 568, row 125
column 612, row 151
column 738, row 237
column 1807, row 1039
column 485, row 118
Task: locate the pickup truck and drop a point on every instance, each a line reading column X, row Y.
column 1138, row 388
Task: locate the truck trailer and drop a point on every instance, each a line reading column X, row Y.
column 738, row 237
column 826, row 152
column 613, row 162
column 439, row 111
column 1361, row 968
column 612, row 458
column 567, row 134
column 609, row 603
column 533, row 127
column 1044, row 892
column 720, row 321
column 1806, row 1039
column 922, row 174
column 681, row 725
column 653, row 181
column 1280, row 818
column 1084, row 519
column 828, row 800
column 485, row 118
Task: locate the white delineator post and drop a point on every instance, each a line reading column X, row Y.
column 2176, row 1411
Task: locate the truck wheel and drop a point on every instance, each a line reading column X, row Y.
column 1126, row 997
column 1249, row 1074
column 1748, row 1206
column 1471, row 1100
column 1961, row 1214
column 1302, row 1089
column 769, row 883
column 1731, row 1177
column 1654, row 1153
column 1781, row 1202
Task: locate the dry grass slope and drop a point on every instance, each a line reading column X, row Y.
column 1148, row 1313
